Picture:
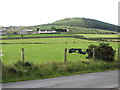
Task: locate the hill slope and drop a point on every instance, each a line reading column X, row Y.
column 85, row 22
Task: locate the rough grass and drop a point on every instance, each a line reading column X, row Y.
column 21, row 71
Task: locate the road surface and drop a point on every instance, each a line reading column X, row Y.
column 107, row 79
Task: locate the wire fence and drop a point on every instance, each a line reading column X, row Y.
column 42, row 53
column 39, row 53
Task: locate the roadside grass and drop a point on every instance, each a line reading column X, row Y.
column 22, row 71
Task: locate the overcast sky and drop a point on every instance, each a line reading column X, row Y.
column 36, row 12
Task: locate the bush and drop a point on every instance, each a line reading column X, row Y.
column 15, row 33
column 103, row 52
column 23, row 64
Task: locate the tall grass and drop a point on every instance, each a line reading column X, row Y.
column 21, row 71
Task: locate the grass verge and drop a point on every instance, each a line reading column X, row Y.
column 22, row 71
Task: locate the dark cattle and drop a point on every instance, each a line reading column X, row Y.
column 74, row 50
column 87, row 50
column 80, row 51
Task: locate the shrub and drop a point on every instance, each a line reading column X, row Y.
column 23, row 64
column 103, row 52
column 15, row 33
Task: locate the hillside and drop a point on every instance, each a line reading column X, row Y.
column 85, row 22
column 76, row 26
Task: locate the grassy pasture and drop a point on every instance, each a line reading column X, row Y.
column 47, row 40
column 112, row 39
column 34, row 35
column 52, row 54
column 100, row 35
column 42, row 53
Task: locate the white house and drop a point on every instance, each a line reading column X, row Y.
column 26, row 32
column 47, row 31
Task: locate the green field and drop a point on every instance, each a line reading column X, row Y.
column 99, row 35
column 112, row 39
column 42, row 53
column 46, row 58
column 47, row 40
column 34, row 35
column 108, row 37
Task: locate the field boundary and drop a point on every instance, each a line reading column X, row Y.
column 101, row 38
column 37, row 37
column 46, row 43
column 96, row 39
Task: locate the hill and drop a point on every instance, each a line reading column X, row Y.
column 85, row 22
column 76, row 26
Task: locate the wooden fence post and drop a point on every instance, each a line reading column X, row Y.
column 93, row 53
column 22, row 54
column 65, row 55
column 118, row 52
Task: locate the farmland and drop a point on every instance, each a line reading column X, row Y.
column 34, row 35
column 44, row 53
column 102, row 37
column 99, row 35
column 52, row 49
column 46, row 40
column 45, row 58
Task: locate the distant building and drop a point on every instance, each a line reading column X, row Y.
column 5, row 28
column 3, row 32
column 26, row 32
column 47, row 31
column 65, row 29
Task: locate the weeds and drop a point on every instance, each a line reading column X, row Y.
column 21, row 71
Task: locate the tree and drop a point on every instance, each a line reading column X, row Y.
column 118, row 28
column 15, row 33
column 37, row 29
column 53, row 28
column 103, row 51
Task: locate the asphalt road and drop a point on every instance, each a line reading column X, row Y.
column 107, row 79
